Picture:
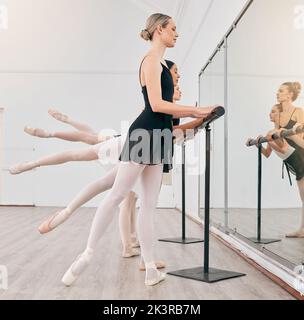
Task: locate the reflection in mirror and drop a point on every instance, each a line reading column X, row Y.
column 265, row 73
column 211, row 93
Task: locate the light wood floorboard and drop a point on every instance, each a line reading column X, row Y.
column 36, row 263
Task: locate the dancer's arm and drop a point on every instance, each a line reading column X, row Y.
column 190, row 125
column 297, row 138
column 152, row 74
column 279, row 145
column 268, row 150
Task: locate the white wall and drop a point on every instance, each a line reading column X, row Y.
column 66, row 54
column 214, row 24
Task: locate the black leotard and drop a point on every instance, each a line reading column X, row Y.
column 155, row 128
column 295, row 162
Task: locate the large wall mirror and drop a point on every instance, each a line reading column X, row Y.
column 264, row 51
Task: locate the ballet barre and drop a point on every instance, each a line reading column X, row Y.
column 258, row 142
column 283, row 134
column 205, row 273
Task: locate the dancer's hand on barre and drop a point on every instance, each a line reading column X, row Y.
column 257, row 139
column 248, row 142
column 202, row 112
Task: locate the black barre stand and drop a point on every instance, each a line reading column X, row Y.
column 258, row 238
column 183, row 239
column 205, row 273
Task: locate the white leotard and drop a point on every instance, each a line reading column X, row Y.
column 285, row 155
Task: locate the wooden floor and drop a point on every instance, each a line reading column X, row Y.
column 36, row 263
column 275, row 224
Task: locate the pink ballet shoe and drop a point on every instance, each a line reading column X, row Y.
column 296, row 234
column 160, row 276
column 81, row 263
column 21, row 167
column 36, row 132
column 45, row 226
column 158, row 264
column 131, row 253
column 58, row 115
column 135, row 244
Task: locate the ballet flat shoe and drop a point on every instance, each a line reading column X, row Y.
column 160, row 277
column 131, row 253
column 45, row 226
column 158, row 264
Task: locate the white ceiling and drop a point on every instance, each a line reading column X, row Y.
column 91, row 35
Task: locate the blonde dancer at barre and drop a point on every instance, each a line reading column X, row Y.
column 140, row 159
column 291, row 150
column 127, row 218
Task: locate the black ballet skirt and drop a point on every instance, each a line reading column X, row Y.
column 295, row 162
column 176, row 122
column 149, row 139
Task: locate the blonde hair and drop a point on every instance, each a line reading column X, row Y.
column 152, row 23
column 294, row 88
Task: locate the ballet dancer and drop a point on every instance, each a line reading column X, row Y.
column 127, row 214
column 83, row 133
column 157, row 87
column 291, row 149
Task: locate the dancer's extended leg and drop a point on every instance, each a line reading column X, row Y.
column 76, row 124
column 59, row 158
column 74, row 136
column 300, row 232
column 77, row 136
column 85, row 195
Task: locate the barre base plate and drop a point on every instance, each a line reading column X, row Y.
column 181, row 240
column 214, row 275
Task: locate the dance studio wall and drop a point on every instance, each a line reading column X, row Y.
column 74, row 56
column 214, row 23
column 53, row 55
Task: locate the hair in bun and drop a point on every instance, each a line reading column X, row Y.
column 294, row 88
column 145, row 34
column 152, row 23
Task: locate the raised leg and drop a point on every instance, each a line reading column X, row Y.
column 85, row 195
column 55, row 159
column 76, row 124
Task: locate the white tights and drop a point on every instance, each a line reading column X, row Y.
column 127, row 221
column 127, row 175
